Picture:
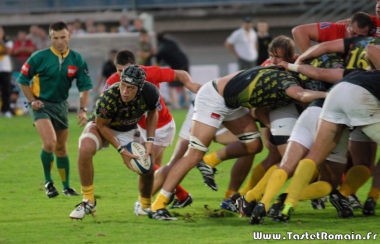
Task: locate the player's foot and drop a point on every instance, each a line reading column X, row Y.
column 228, row 205
column 182, row 203
column 317, row 203
column 70, row 192
column 277, row 206
column 369, row 207
column 341, row 204
column 235, row 197
column 50, row 190
column 208, row 173
column 245, row 208
column 354, row 202
column 161, row 214
column 83, row 208
column 258, row 214
column 138, row 210
column 285, row 214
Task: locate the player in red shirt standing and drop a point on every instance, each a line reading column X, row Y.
column 165, row 126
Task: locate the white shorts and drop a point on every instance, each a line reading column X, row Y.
column 186, row 126
column 163, row 136
column 358, row 135
column 351, row 105
column 210, row 107
column 283, row 119
column 305, row 129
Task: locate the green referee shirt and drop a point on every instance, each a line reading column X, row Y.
column 50, row 74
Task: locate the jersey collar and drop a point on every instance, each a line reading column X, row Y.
column 59, row 54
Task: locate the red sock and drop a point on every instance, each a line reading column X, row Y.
column 181, row 193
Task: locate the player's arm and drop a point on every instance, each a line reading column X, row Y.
column 373, row 55
column 83, row 103
column 336, row 46
column 106, row 132
column 151, row 124
column 186, row 80
column 327, row 75
column 304, row 95
column 303, row 34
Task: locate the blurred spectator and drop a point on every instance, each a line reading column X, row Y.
column 108, row 69
column 15, row 91
column 125, row 25
column 264, row 39
column 44, row 39
column 6, row 46
column 91, row 30
column 34, row 34
column 242, row 43
column 114, row 29
column 90, row 26
column 138, row 25
column 22, row 49
column 77, row 27
column 145, row 50
column 70, row 28
column 101, row 28
column 169, row 52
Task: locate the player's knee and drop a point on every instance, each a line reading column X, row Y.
column 196, row 144
column 49, row 145
column 252, row 141
column 88, row 143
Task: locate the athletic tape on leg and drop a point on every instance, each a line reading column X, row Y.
column 197, row 144
column 248, row 136
column 92, row 136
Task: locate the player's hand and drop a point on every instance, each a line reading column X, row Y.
column 82, row 118
column 127, row 156
column 283, row 64
column 194, row 87
column 36, row 105
column 149, row 148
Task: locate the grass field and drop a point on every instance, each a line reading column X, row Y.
column 28, row 216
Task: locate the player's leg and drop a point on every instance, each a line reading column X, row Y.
column 373, row 194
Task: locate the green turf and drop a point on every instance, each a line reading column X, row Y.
column 28, row 216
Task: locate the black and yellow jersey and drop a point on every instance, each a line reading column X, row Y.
column 125, row 115
column 259, row 87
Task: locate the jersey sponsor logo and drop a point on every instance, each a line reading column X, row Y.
column 71, row 71
column 25, row 69
column 103, row 111
column 324, row 25
column 86, row 72
column 215, row 116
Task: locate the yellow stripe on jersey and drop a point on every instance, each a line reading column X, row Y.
column 250, row 89
column 36, row 86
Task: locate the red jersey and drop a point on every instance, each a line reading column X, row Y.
column 154, row 75
column 328, row 31
column 375, row 30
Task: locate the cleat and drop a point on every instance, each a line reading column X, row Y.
column 70, row 192
column 277, row 206
column 369, row 207
column 245, row 208
column 171, row 199
column 341, row 205
column 83, row 208
column 182, row 203
column 50, row 190
column 234, row 197
column 208, row 173
column 229, row 206
column 317, row 203
column 354, row 202
column 139, row 211
column 285, row 214
column 258, row 214
column 161, row 214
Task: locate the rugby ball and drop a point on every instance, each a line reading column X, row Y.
column 142, row 165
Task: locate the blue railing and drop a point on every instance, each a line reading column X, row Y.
column 42, row 6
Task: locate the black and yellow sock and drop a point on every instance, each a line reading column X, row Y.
column 47, row 160
column 356, row 177
column 257, row 192
column 229, row 194
column 301, row 178
column 276, row 181
column 88, row 193
column 316, row 190
column 145, row 202
column 374, row 193
column 63, row 166
column 257, row 173
column 212, row 159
